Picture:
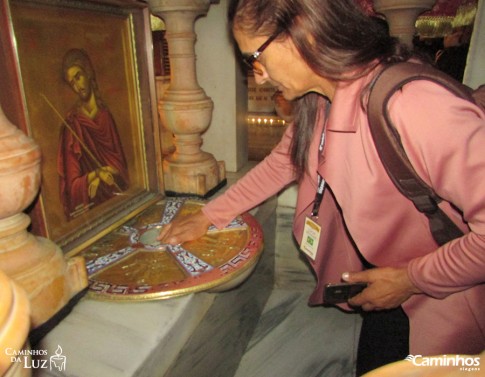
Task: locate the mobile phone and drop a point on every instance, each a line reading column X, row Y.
column 337, row 293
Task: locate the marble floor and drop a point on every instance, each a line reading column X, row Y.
column 262, row 328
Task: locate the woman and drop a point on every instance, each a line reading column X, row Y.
column 324, row 54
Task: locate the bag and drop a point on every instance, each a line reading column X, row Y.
column 391, row 151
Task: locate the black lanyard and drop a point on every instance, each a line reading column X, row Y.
column 320, row 181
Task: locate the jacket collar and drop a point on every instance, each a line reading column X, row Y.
column 347, row 104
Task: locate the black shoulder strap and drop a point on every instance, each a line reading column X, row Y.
column 391, row 151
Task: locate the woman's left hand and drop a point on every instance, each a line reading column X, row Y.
column 387, row 288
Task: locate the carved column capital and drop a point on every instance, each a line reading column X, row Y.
column 401, row 16
column 198, row 7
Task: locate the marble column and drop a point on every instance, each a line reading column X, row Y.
column 14, row 328
column 34, row 263
column 401, row 16
column 185, row 109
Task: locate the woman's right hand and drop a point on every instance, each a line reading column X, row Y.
column 183, row 229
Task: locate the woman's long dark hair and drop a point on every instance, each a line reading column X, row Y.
column 334, row 37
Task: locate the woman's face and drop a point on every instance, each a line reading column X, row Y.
column 283, row 67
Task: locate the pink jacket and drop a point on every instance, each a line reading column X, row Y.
column 444, row 138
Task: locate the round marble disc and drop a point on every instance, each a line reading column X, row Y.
column 129, row 263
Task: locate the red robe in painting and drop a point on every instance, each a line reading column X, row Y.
column 100, row 137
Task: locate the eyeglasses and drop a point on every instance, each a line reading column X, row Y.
column 252, row 60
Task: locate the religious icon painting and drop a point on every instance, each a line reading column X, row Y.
column 85, row 92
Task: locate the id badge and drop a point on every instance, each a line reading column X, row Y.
column 311, row 238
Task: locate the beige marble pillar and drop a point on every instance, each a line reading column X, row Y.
column 34, row 263
column 185, row 109
column 401, row 16
column 14, row 328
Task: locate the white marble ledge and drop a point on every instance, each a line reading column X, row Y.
column 118, row 339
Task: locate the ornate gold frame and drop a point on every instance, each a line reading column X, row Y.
column 117, row 37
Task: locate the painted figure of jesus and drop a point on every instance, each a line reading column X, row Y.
column 91, row 163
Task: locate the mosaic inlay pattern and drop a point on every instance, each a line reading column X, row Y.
column 131, row 264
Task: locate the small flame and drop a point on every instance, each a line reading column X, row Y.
column 58, row 350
